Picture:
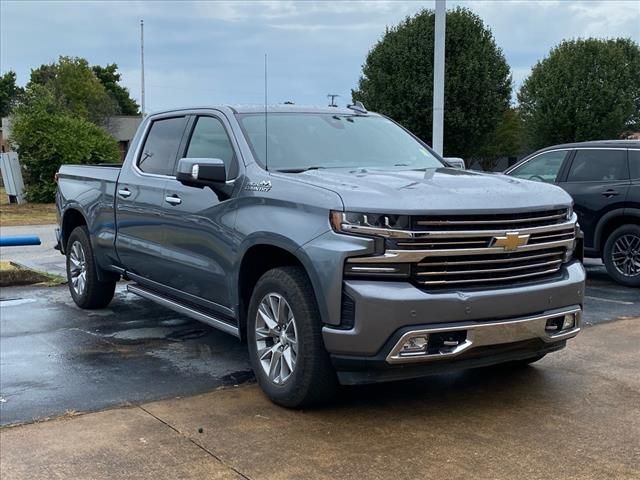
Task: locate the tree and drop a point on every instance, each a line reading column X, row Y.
column 397, row 79
column 46, row 137
column 9, row 92
column 110, row 78
column 77, row 89
column 504, row 141
column 584, row 90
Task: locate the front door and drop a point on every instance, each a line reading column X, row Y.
column 598, row 181
column 199, row 222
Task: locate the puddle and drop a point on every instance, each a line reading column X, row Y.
column 13, row 302
column 136, row 334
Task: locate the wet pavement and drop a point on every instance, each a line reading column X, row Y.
column 56, row 358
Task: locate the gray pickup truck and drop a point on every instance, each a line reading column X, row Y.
column 335, row 242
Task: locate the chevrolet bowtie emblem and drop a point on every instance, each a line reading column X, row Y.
column 511, row 241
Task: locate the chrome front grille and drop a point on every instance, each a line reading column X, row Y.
column 509, row 221
column 475, row 251
column 489, row 269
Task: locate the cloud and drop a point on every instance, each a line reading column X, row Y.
column 213, row 52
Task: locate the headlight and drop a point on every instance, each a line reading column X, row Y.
column 369, row 224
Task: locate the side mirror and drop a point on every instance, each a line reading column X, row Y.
column 455, row 162
column 201, row 172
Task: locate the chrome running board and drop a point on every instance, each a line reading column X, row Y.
column 184, row 310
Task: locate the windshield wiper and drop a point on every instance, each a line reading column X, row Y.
column 298, row 170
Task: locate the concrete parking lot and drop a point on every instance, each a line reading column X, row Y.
column 175, row 399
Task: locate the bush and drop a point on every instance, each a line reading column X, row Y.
column 46, row 138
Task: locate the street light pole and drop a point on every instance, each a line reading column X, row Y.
column 142, row 66
column 438, row 77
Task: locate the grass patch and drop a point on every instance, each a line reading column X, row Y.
column 12, row 214
column 12, row 274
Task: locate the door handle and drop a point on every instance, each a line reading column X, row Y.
column 124, row 192
column 173, row 200
column 610, row 193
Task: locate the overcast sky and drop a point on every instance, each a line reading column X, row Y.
column 213, row 52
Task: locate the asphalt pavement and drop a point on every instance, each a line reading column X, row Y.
column 56, row 358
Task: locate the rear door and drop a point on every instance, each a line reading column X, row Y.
column 199, row 233
column 140, row 198
column 598, row 180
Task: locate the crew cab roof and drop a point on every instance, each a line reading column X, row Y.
column 278, row 108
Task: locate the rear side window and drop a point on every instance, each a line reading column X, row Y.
column 210, row 140
column 599, row 166
column 161, row 146
column 634, row 163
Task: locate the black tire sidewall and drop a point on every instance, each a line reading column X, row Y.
column 289, row 282
column 608, row 251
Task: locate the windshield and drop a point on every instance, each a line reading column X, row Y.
column 302, row 141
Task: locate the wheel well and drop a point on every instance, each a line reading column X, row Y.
column 72, row 219
column 256, row 262
column 611, row 225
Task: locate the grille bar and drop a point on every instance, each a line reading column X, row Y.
column 492, row 270
column 487, row 279
column 489, row 222
column 496, row 260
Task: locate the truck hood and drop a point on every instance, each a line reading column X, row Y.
column 442, row 190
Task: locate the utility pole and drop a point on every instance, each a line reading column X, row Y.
column 438, row 76
column 142, row 66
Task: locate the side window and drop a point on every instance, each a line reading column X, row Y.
column 161, row 146
column 634, row 163
column 543, row 168
column 599, row 166
column 210, row 140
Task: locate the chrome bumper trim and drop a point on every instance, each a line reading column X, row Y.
column 489, row 333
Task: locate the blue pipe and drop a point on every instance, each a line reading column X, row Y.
column 19, row 241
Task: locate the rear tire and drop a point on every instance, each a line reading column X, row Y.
column 283, row 325
column 621, row 255
column 86, row 289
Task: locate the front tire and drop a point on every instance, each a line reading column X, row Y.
column 86, row 289
column 621, row 255
column 285, row 340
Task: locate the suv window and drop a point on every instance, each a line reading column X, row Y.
column 634, row 163
column 598, row 166
column 543, row 168
column 161, row 146
column 210, row 140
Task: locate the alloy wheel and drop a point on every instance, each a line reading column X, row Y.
column 276, row 338
column 78, row 268
column 626, row 255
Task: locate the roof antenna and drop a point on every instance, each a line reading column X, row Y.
column 266, row 135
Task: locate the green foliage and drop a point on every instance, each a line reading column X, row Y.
column 9, row 93
column 397, row 79
column 46, row 137
column 504, row 141
column 110, row 78
column 76, row 88
column 584, row 90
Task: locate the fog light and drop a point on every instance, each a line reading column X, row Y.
column 415, row 345
column 569, row 321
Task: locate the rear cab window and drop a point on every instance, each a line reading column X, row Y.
column 160, row 150
column 598, row 165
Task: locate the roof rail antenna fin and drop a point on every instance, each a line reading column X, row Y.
column 357, row 107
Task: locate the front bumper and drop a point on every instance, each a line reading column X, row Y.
column 384, row 311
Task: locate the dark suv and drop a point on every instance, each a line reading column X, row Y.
column 603, row 177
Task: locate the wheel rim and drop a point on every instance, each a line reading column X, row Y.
column 276, row 338
column 626, row 255
column 77, row 268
